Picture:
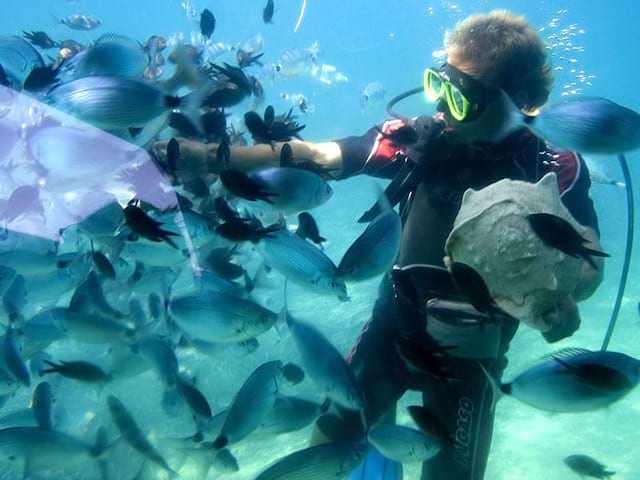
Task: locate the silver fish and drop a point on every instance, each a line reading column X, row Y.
column 225, row 462
column 331, row 460
column 302, row 263
column 376, row 249
column 131, row 432
column 12, row 358
column 297, row 61
column 80, row 22
column 115, row 103
column 403, row 444
column 94, row 328
column 289, row 414
column 587, row 125
column 42, row 405
column 373, row 93
column 46, row 449
column 221, row 350
column 111, row 54
column 90, row 298
column 194, row 398
column 324, row 364
column 218, row 318
column 160, row 355
column 251, row 404
column 154, row 47
column 18, row 418
column 575, row 380
column 295, row 190
column 8, row 383
column 162, row 358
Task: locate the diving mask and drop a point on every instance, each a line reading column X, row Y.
column 465, row 96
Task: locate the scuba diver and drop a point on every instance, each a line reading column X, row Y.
column 463, row 146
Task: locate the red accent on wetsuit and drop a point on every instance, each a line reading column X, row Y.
column 383, row 151
column 566, row 166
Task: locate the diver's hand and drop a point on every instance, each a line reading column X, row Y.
column 197, row 160
column 564, row 319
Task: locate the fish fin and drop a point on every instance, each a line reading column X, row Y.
column 564, row 353
column 284, row 320
column 171, row 401
column 376, row 466
column 498, row 392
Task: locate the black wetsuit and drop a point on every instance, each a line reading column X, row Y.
column 428, row 215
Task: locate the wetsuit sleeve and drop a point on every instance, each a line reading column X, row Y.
column 574, row 183
column 370, row 154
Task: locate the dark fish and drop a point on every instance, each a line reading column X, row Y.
column 235, row 75
column 219, row 261
column 173, row 155
column 430, row 423
column 103, row 265
column 40, row 39
column 402, row 137
column 267, row 13
column 286, row 156
column 556, row 232
column 180, row 122
column 240, row 230
column 196, row 187
column 470, row 285
column 145, row 226
column 4, row 80
column 257, row 127
column 41, row 78
column 214, row 123
column 223, row 153
column 269, row 115
column 586, row 466
column 82, row 371
column 243, row 186
column 425, row 357
column 293, row 373
column 207, row 23
column 307, row 228
column 226, row 94
column 279, row 129
column 224, row 211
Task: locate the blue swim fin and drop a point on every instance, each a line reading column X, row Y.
column 375, row 466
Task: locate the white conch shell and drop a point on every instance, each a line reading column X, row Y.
column 492, row 235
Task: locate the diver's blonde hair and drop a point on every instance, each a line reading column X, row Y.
column 504, row 50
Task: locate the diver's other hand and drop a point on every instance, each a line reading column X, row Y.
column 564, row 319
column 197, row 160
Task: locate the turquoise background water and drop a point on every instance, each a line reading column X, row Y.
column 391, row 42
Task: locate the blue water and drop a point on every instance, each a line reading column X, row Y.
column 391, row 43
